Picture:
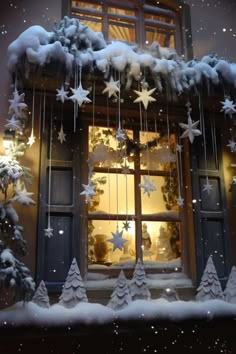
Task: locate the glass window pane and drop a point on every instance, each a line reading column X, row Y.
column 114, row 194
column 105, row 150
column 122, row 31
column 163, row 199
column 151, row 16
column 86, row 4
column 119, row 11
column 164, row 38
column 161, row 244
column 101, row 249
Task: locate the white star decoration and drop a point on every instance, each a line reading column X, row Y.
column 13, row 123
column 126, row 225
column 117, row 240
column 190, row 129
column 180, row 201
column 179, row 148
column 23, row 197
column 232, row 145
column 207, row 187
column 31, row 139
column 88, row 190
column 112, row 87
column 148, row 185
column 125, row 168
column 17, row 104
column 120, row 135
column 145, row 96
column 79, row 95
column 61, row 94
column 228, row 107
column 48, row 232
column 61, row 135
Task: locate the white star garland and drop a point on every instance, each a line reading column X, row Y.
column 120, row 135
column 117, row 240
column 88, row 190
column 148, row 185
column 145, row 96
column 61, row 94
column 112, row 87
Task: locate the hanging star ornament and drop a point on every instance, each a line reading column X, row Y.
column 117, row 240
column 88, row 190
column 125, row 169
column 180, row 201
column 112, row 87
column 13, row 123
column 31, row 139
column 120, row 135
column 61, row 135
column 145, row 96
column 207, row 187
column 79, row 95
column 17, row 103
column 126, row 225
column 61, row 94
column 179, row 148
column 148, row 185
column 229, row 107
column 48, row 232
column 190, row 129
column 232, row 145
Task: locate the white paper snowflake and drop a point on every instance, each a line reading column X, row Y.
column 62, row 94
column 232, row 145
column 79, row 95
column 229, row 107
column 61, row 135
column 190, row 129
column 112, row 87
column 207, row 187
column 148, row 185
column 117, row 240
column 145, row 96
column 88, row 190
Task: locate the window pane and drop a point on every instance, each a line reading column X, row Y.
column 160, row 18
column 114, row 194
column 105, row 150
column 163, row 199
column 161, row 243
column 104, row 252
column 164, row 38
column 116, row 10
column 122, row 31
column 86, row 4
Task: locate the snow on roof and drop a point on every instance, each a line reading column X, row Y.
column 72, row 43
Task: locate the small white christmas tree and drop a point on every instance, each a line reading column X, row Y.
column 120, row 296
column 73, row 291
column 41, row 295
column 210, row 287
column 230, row 289
column 138, row 285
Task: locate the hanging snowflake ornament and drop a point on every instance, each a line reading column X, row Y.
column 79, row 95
column 232, row 145
column 228, row 107
column 17, row 103
column 144, row 96
column 120, row 135
column 61, row 135
column 48, row 232
column 112, row 87
column 61, row 94
column 180, row 201
column 148, row 185
column 88, row 190
column 31, row 139
column 207, row 187
column 117, row 240
column 190, row 129
column 126, row 225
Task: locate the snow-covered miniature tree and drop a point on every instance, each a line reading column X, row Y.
column 230, row 289
column 210, row 286
column 41, row 295
column 138, row 285
column 73, row 291
column 13, row 179
column 120, row 296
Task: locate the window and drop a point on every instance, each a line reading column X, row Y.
column 134, row 22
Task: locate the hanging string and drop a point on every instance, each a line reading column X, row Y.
column 40, row 112
column 50, row 169
column 33, row 102
column 214, row 143
column 202, row 121
column 44, row 108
